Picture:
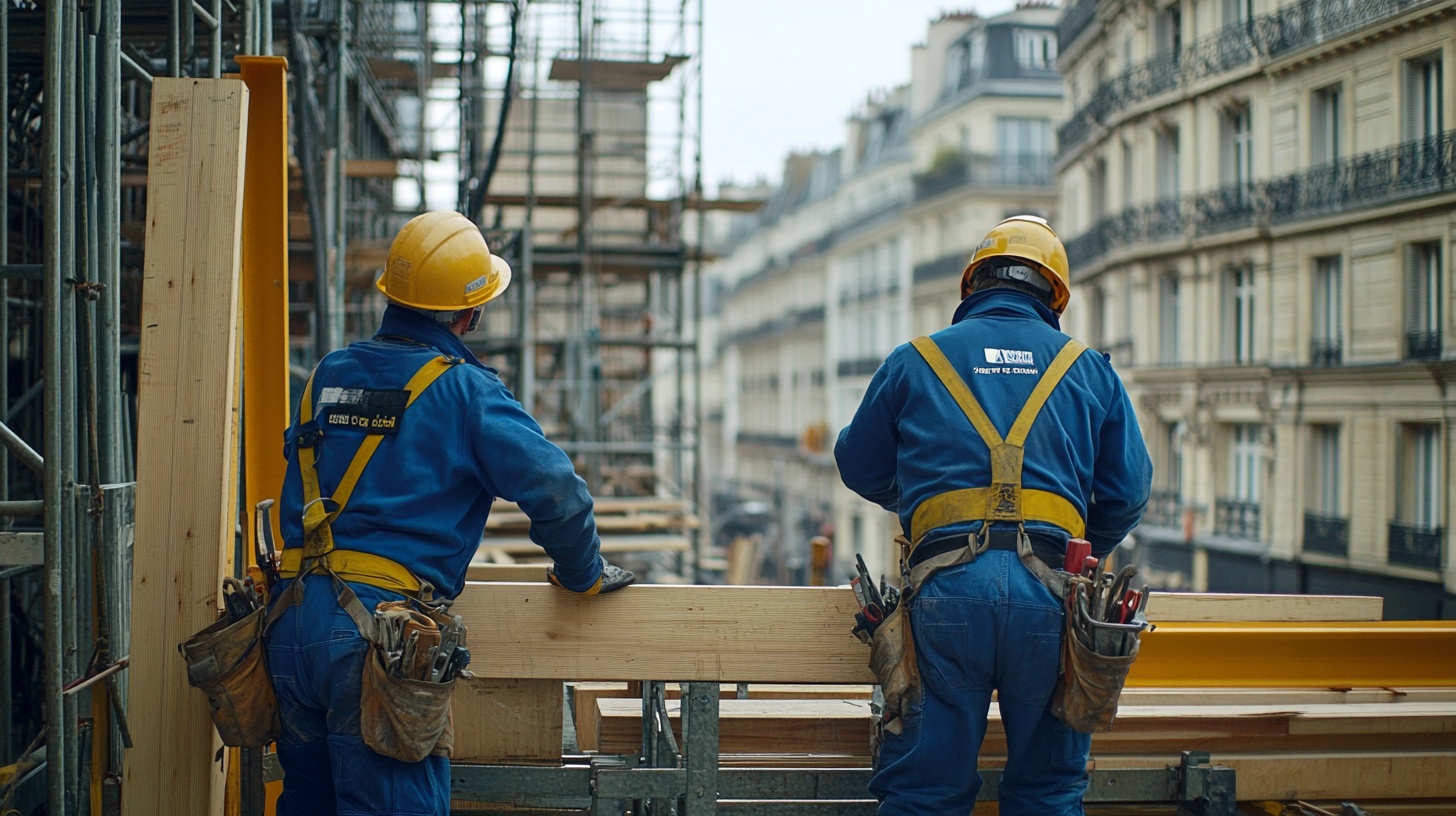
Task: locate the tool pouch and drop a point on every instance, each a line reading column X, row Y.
column 399, row 716
column 1091, row 683
column 892, row 659
column 229, row 663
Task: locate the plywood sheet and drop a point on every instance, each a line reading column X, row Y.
column 186, row 434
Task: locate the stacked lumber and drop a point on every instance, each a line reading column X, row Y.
column 624, row 524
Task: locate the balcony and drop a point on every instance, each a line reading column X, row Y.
column 1404, row 172
column 1415, row 546
column 1423, row 345
column 1324, row 353
column 1270, row 36
column 980, row 170
column 1326, row 534
column 1165, row 509
column 1236, row 519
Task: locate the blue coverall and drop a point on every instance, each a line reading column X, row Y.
column 991, row 625
column 422, row 502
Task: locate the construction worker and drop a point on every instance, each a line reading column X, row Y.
column 450, row 440
column 920, row 445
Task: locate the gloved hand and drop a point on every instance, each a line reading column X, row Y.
column 612, row 579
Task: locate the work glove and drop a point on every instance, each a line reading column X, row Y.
column 612, row 579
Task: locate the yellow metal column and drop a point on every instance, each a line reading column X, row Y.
column 264, row 300
column 265, row 284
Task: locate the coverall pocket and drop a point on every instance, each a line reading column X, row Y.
column 228, row 662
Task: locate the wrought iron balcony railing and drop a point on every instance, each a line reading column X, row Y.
column 1165, row 509
column 979, row 170
column 1415, row 546
column 1325, row 353
column 1406, row 171
column 1269, row 36
column 1423, row 345
column 1326, row 534
column 1236, row 519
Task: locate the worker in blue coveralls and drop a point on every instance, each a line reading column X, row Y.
column 451, row 439
column 1072, row 462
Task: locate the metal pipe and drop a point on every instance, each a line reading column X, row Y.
column 78, row 685
column 174, row 39
column 135, row 69
column 340, row 110
column 528, row 237
column 22, row 451
column 51, row 350
column 6, row 693
column 216, row 59
column 208, row 20
column 73, row 191
column 25, row 399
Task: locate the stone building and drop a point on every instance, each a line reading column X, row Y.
column 1258, row 197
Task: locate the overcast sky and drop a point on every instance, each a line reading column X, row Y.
column 782, row 75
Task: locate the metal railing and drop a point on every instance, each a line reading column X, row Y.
column 1415, row 546
column 1236, row 519
column 1268, row 36
column 1325, row 353
column 1326, row 534
column 981, row 170
column 1165, row 509
column 1423, row 345
column 1409, row 170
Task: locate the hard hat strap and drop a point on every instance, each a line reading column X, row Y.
column 1019, row 272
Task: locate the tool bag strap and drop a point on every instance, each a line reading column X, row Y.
column 318, row 537
column 1004, row 500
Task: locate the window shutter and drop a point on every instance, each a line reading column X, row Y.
column 1415, row 289
column 1411, row 100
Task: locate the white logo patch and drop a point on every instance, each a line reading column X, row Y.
column 1009, row 356
column 475, row 284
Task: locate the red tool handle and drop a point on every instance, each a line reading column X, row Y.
column 1078, row 551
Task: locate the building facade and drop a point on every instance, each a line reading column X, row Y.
column 1259, row 198
column 859, row 250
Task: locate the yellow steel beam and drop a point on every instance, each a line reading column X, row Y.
column 1286, row 655
column 265, row 283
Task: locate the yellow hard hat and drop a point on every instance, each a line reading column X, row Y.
column 440, row 262
column 1031, row 239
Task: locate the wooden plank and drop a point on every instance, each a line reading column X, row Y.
column 519, row 573
column 512, row 722
column 500, row 523
column 748, row 634
column 752, row 726
column 610, row 505
column 1223, row 607
column 371, row 168
column 801, row 635
column 186, row 434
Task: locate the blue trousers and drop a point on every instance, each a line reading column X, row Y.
column 984, row 626
column 316, row 655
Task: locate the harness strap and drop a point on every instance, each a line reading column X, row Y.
column 318, row 537
column 1004, row 499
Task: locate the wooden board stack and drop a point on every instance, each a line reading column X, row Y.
column 624, row 524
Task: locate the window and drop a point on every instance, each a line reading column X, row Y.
column 1419, row 484
column 1237, row 11
column 1237, row 514
column 1168, row 318
column 1238, row 315
column 1036, row 50
column 1097, row 325
column 1245, row 461
column 1025, row 146
column 1235, row 148
column 1168, row 29
column 1324, row 125
column 1097, row 184
column 1415, row 535
column 1127, row 174
column 1165, row 502
column 1167, row 163
column 957, row 65
column 1423, row 301
column 1325, row 470
column 1326, row 339
column 1173, row 464
column 1421, row 97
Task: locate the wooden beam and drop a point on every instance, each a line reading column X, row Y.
column 1354, row 775
column 186, row 434
column 371, row 168
column 509, row 722
column 752, row 726
column 1213, row 606
column 801, row 635
column 610, row 544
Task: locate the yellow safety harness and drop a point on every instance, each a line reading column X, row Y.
column 1004, row 499
column 319, row 551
